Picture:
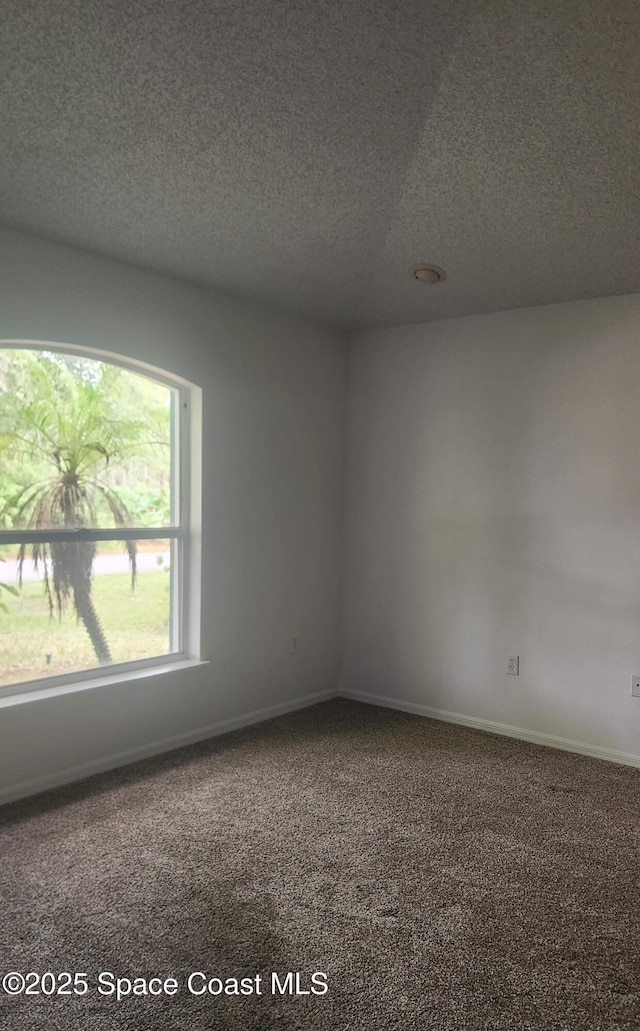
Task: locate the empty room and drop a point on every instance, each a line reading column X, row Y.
column 319, row 515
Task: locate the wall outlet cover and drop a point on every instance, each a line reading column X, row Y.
column 513, row 665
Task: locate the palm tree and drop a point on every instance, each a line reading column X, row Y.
column 69, row 417
column 6, row 587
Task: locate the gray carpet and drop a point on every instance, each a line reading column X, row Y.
column 441, row 878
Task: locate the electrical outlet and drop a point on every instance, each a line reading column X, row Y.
column 635, row 686
column 513, row 665
column 294, row 644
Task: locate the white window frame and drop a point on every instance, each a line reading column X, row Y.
column 185, row 535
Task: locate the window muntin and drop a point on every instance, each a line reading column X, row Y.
column 99, row 473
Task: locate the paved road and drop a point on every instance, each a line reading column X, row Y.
column 118, row 563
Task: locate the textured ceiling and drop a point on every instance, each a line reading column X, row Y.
column 307, row 153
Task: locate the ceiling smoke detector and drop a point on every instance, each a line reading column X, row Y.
column 429, row 274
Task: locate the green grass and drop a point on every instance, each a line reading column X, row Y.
column 136, row 626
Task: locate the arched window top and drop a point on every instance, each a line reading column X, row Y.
column 125, row 361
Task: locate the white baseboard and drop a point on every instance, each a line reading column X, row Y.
column 168, row 744
column 534, row 737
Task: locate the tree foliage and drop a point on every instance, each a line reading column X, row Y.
column 74, row 436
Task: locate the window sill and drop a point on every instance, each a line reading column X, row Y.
column 32, row 694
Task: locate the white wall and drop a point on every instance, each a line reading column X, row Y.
column 493, row 507
column 272, row 500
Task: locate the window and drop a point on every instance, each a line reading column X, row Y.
column 94, row 515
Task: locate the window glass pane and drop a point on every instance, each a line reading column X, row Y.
column 82, row 443
column 102, row 620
